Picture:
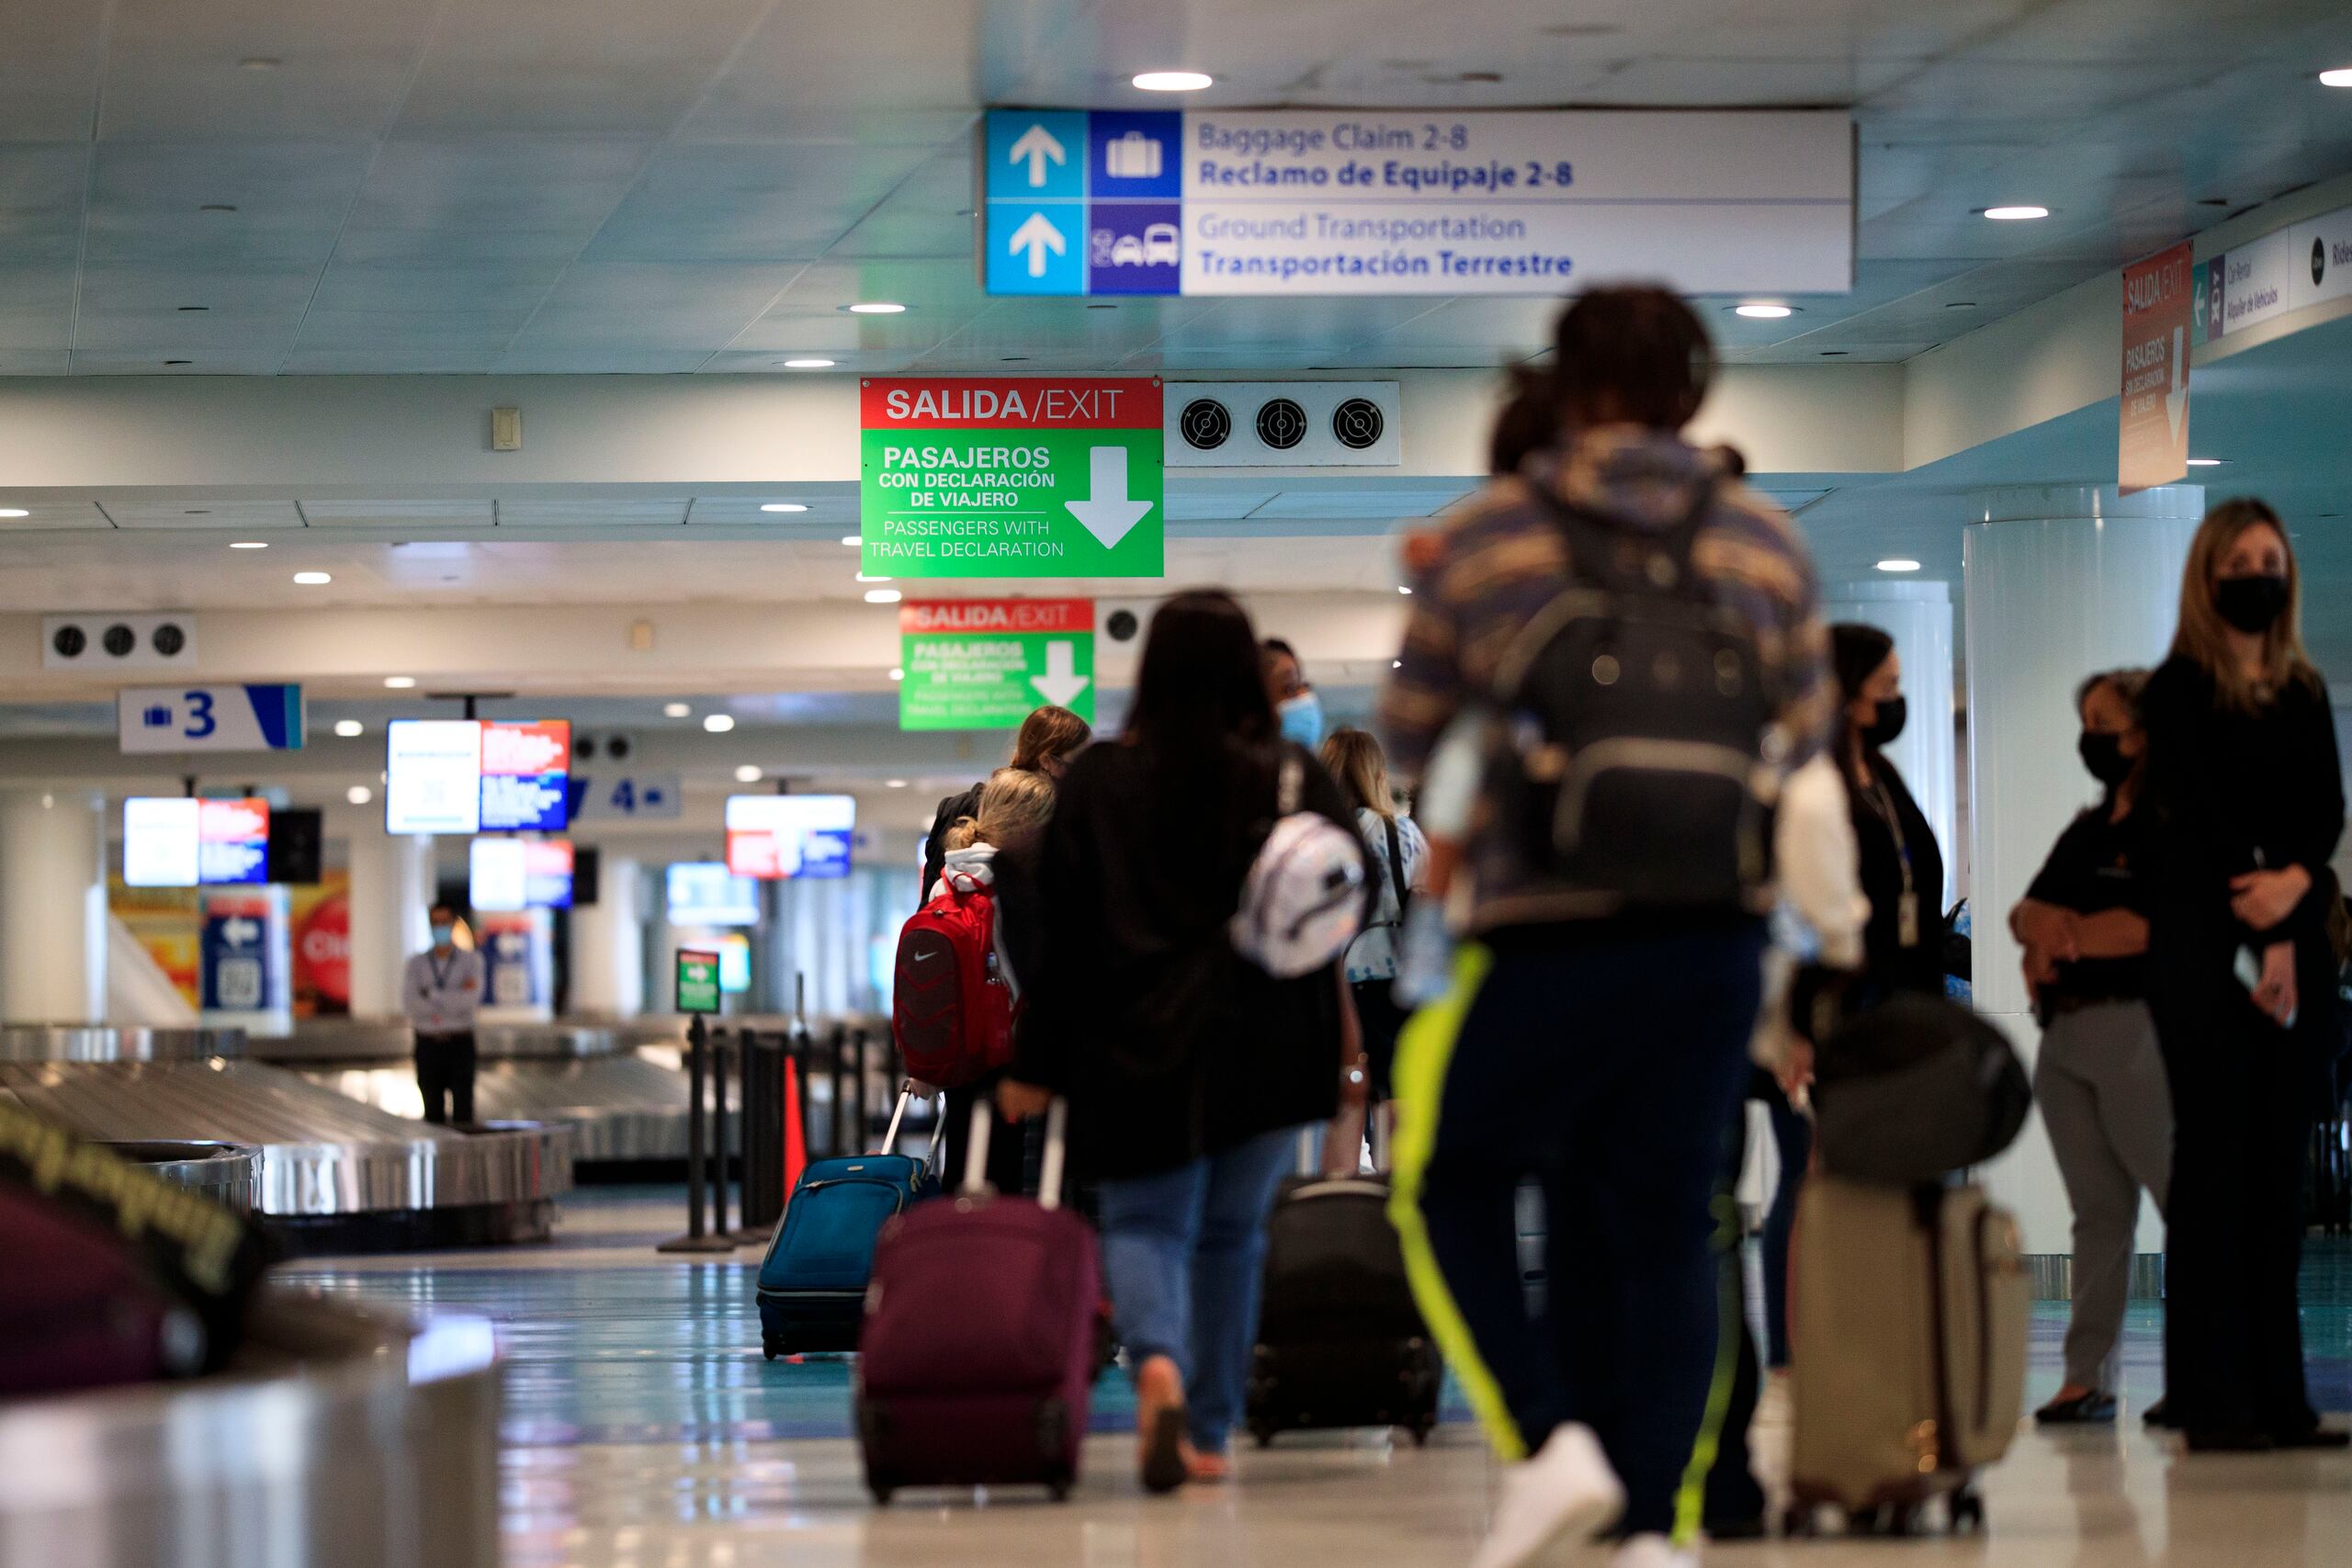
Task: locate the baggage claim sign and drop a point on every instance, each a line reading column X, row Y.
column 1004, row 476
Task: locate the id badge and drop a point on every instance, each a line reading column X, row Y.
column 1906, row 921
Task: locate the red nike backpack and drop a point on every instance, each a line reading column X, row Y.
column 951, row 1009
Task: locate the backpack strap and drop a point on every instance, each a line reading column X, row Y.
column 1596, row 543
column 1397, row 866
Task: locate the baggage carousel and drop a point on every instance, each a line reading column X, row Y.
column 333, row 1174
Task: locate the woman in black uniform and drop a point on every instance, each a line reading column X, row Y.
column 1901, row 865
column 2249, row 803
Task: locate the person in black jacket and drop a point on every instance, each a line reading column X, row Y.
column 1188, row 1069
column 1901, row 865
column 2248, row 800
column 1047, row 740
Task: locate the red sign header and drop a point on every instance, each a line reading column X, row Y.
column 1008, row 402
column 1003, row 616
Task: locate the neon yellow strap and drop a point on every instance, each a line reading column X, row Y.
column 1690, row 1501
column 1424, row 1053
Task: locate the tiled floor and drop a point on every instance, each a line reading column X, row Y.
column 643, row 1430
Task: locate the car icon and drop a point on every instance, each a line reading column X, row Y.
column 1160, row 245
column 1126, row 251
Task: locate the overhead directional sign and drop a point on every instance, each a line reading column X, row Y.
column 1042, row 477
column 988, row 663
column 626, row 796
column 210, row 718
column 1380, row 201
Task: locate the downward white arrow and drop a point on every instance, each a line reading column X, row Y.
column 2177, row 400
column 1037, row 236
column 1107, row 514
column 1062, row 683
column 1037, row 145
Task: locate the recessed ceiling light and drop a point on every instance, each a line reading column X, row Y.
column 883, row 595
column 876, row 307
column 677, row 710
column 808, row 365
column 399, row 682
column 2015, row 214
column 350, row 728
column 2206, row 462
column 1763, row 311
column 250, row 544
column 312, row 579
column 1172, row 81
column 854, row 541
column 748, row 774
column 1897, row 563
column 718, row 723
column 782, row 506
column 259, row 63
column 2339, row 77
column 895, row 784
column 14, row 512
column 359, row 794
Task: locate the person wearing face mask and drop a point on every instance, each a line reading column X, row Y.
column 1296, row 707
column 441, row 991
column 1901, row 865
column 2098, row 1076
column 2247, row 793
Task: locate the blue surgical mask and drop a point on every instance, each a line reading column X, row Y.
column 443, row 935
column 1302, row 717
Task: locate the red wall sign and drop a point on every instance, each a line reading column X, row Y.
column 2157, row 299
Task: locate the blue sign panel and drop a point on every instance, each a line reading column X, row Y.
column 210, row 718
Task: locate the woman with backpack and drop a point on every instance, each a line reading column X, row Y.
column 994, row 851
column 2247, row 793
column 1399, row 860
column 1189, row 1068
column 1048, row 738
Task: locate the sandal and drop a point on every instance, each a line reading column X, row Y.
column 1160, row 1425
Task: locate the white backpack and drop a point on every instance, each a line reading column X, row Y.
column 1301, row 903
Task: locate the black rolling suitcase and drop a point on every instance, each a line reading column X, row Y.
column 1339, row 1340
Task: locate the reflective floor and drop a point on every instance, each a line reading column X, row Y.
column 644, row 1431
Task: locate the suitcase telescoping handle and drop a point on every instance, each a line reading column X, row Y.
column 1049, row 1177
column 899, row 1114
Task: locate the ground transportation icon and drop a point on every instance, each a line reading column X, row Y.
column 1160, row 245
column 1126, row 251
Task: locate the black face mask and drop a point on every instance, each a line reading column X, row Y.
column 2103, row 755
column 1888, row 725
column 2251, row 604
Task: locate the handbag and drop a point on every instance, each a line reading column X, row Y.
column 1914, row 1088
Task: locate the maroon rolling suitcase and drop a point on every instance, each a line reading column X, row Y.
column 979, row 1349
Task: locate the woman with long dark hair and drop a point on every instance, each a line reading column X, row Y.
column 2248, row 800
column 1902, row 865
column 1188, row 1069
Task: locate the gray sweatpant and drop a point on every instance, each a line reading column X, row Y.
column 2101, row 1083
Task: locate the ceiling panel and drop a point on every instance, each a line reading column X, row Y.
column 178, row 70
column 52, row 57
column 750, row 201
column 395, row 514
column 49, row 515
column 232, row 515
column 650, row 510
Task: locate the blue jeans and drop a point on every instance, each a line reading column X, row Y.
column 1182, row 1251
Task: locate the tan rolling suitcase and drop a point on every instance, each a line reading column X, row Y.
column 1909, row 1308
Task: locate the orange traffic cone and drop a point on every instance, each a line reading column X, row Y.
column 796, row 1136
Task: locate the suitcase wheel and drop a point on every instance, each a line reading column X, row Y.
column 774, row 1345
column 1964, row 1512
column 1420, row 1432
column 882, row 1486
column 1060, row 1486
column 1799, row 1522
column 1263, row 1431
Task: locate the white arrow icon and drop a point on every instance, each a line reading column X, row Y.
column 238, row 931
column 1062, row 683
column 1106, row 512
column 1037, row 145
column 1037, row 237
column 2177, row 400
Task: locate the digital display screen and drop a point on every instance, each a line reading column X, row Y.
column 705, row 892
column 172, row 842
column 735, row 963
column 464, row 775
column 780, row 837
column 520, row 873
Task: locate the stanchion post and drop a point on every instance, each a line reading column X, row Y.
column 697, row 1238
column 719, row 1138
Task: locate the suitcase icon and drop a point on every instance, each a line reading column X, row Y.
column 1134, row 156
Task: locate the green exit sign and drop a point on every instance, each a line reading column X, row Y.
column 988, row 663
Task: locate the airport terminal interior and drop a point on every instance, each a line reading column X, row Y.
column 532, row 505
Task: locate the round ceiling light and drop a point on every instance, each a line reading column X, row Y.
column 2015, row 214
column 1898, row 563
column 1173, row 81
column 250, row 544
column 350, row 728
column 399, row 682
column 1763, row 311
column 312, row 579
column 808, row 365
column 359, row 794
column 876, row 307
column 677, row 710
column 718, row 723
column 782, row 506
column 748, row 774
column 883, row 595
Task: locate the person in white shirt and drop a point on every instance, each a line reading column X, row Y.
column 441, row 991
column 1398, row 867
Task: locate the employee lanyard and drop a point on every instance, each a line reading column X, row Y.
column 1906, row 909
column 440, row 976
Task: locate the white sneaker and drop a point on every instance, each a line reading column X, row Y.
column 1652, row 1551
column 1566, row 1491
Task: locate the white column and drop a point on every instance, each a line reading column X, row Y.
column 608, row 945
column 1917, row 615
column 392, row 896
column 2060, row 582
column 52, row 907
